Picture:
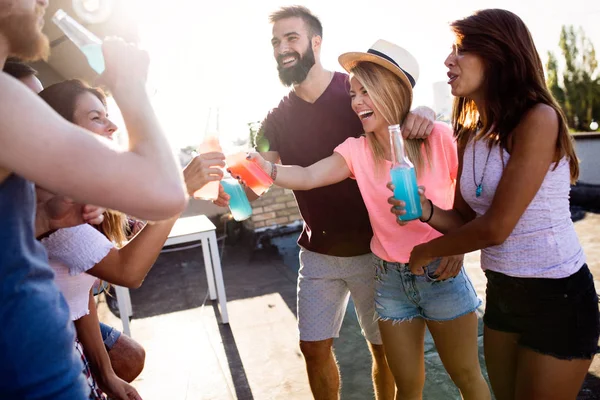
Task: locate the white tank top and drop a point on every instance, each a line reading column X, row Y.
column 543, row 244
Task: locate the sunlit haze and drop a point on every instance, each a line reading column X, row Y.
column 218, row 54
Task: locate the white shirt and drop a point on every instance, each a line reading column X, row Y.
column 73, row 251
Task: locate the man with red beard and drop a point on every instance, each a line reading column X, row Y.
column 37, row 358
column 335, row 256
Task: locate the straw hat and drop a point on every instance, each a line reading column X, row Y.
column 388, row 55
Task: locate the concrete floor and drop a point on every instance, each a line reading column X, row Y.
column 191, row 356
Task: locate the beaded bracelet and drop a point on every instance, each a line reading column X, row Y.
column 430, row 215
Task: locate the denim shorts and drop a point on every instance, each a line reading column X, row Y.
column 556, row 317
column 109, row 335
column 402, row 296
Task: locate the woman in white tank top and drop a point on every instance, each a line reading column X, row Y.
column 512, row 202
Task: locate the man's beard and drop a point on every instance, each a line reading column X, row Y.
column 298, row 73
column 24, row 35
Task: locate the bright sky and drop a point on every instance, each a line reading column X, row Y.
column 218, row 53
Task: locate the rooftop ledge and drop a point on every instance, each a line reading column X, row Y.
column 586, row 135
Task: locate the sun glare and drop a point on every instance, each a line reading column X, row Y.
column 218, row 54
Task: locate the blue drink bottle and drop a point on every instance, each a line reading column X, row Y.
column 89, row 44
column 238, row 203
column 404, row 176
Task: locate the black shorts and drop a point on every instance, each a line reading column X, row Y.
column 557, row 317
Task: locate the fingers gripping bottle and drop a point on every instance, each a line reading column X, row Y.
column 404, row 176
column 210, row 191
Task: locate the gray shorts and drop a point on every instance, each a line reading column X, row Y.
column 325, row 283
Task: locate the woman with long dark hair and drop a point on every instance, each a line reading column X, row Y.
column 512, row 202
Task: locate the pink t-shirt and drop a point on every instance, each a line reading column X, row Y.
column 392, row 242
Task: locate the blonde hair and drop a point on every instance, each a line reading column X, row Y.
column 114, row 227
column 392, row 98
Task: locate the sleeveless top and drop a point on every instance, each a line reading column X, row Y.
column 37, row 357
column 544, row 243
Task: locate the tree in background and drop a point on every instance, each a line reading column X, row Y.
column 578, row 92
column 257, row 139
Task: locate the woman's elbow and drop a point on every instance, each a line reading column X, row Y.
column 131, row 282
column 135, row 284
column 496, row 234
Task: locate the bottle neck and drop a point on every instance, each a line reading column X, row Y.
column 399, row 157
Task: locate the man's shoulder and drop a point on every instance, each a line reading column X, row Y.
column 341, row 75
column 284, row 104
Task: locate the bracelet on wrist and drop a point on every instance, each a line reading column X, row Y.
column 430, row 214
column 273, row 172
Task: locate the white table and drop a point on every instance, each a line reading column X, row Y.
column 186, row 230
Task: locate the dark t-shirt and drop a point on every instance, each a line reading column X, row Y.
column 335, row 218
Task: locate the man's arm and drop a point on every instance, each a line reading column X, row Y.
column 418, row 124
column 36, row 143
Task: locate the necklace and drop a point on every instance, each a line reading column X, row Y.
column 479, row 186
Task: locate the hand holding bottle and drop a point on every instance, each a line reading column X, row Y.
column 404, row 177
column 203, row 169
column 399, row 207
column 123, row 66
column 260, row 161
column 126, row 66
column 252, row 170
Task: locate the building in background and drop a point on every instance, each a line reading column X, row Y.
column 442, row 101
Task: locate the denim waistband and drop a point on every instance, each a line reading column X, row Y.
column 429, row 271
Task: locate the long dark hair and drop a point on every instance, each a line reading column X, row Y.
column 62, row 97
column 514, row 81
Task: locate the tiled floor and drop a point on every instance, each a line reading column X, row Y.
column 256, row 356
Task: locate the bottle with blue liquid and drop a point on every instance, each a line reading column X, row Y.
column 89, row 44
column 238, row 202
column 404, row 176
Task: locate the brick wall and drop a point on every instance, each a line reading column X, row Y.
column 275, row 208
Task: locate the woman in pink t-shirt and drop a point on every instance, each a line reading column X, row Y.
column 381, row 83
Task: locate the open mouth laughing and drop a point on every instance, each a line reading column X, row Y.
column 287, row 61
column 365, row 114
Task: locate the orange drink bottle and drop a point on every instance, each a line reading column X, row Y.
column 210, row 191
column 252, row 175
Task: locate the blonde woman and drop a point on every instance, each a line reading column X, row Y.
column 381, row 83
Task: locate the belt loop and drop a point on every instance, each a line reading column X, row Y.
column 383, row 265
